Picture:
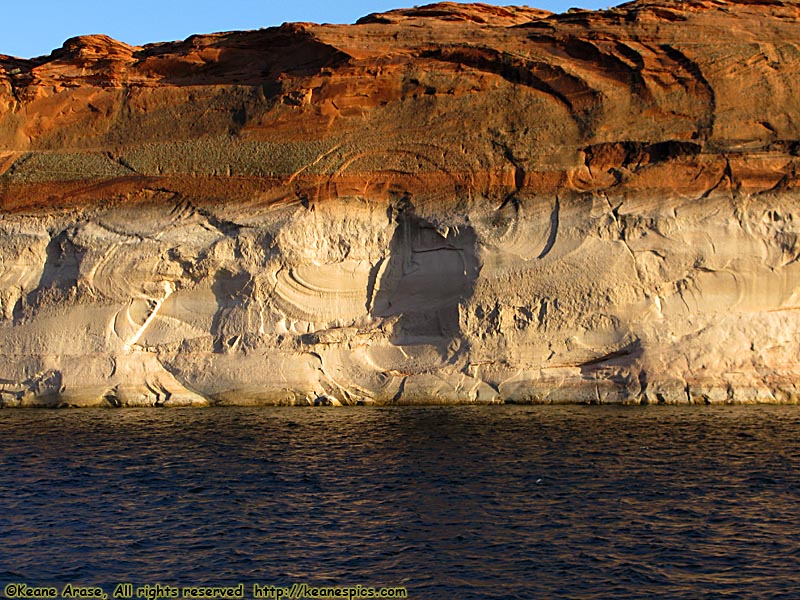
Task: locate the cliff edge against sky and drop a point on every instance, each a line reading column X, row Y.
column 450, row 203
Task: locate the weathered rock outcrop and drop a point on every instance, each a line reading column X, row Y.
column 452, row 203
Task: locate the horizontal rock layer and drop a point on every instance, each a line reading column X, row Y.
column 452, row 203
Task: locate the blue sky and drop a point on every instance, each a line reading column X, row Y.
column 32, row 28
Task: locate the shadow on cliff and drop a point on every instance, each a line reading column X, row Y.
column 232, row 292
column 430, row 271
column 59, row 278
column 259, row 58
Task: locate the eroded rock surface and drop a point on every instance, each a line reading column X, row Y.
column 451, row 203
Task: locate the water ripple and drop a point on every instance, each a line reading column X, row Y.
column 456, row 502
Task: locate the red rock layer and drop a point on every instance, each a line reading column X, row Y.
column 659, row 97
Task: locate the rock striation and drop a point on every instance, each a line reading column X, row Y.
column 450, row 203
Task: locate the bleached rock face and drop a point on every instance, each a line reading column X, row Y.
column 565, row 208
column 583, row 301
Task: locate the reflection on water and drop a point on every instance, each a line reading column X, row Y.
column 452, row 502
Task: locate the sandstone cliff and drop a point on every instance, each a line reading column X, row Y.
column 451, row 203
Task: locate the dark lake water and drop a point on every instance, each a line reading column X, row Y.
column 448, row 502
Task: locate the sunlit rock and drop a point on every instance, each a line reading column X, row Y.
column 445, row 204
